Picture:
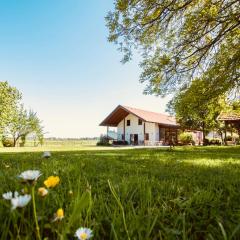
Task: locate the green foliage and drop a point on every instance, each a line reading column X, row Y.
column 186, row 193
column 103, row 141
column 180, row 40
column 15, row 121
column 195, row 108
column 215, row 141
column 9, row 99
column 22, row 123
column 6, row 142
column 186, row 138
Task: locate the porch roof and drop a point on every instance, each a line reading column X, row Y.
column 229, row 116
column 120, row 112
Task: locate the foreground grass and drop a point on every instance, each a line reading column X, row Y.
column 187, row 193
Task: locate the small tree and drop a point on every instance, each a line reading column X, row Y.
column 23, row 123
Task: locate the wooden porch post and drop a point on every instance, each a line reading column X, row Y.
column 144, row 132
column 177, row 136
column 124, row 129
column 159, row 133
column 107, row 130
column 225, row 133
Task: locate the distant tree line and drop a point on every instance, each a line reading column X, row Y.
column 16, row 122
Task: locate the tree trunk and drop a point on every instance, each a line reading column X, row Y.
column 204, row 134
column 15, row 139
column 221, row 135
column 14, row 142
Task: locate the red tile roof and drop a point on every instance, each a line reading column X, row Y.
column 122, row 111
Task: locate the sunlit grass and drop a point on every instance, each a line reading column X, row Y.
column 185, row 193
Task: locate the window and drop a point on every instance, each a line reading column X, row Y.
column 147, row 136
column 128, row 122
column 139, row 121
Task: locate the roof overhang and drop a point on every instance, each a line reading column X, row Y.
column 116, row 116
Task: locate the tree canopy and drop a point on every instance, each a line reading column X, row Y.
column 15, row 121
column 9, row 99
column 180, row 40
column 196, row 109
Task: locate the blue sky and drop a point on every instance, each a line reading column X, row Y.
column 57, row 54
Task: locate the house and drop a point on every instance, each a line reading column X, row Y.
column 230, row 119
column 138, row 126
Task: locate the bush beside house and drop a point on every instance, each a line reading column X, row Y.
column 104, row 141
column 186, row 138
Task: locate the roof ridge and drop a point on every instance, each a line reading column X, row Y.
column 146, row 110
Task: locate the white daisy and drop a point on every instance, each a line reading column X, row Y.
column 30, row 175
column 20, row 201
column 46, row 154
column 84, row 233
column 10, row 195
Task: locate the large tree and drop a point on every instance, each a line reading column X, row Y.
column 180, row 40
column 195, row 108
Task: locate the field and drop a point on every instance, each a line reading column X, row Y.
column 185, row 193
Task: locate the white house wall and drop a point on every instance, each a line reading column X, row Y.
column 120, row 130
column 134, row 128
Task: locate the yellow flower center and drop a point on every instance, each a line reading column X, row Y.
column 52, row 181
column 60, row 213
column 83, row 236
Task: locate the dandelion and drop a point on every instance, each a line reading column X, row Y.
column 42, row 191
column 10, row 195
column 30, row 175
column 46, row 154
column 52, row 181
column 59, row 215
column 20, row 201
column 84, row 233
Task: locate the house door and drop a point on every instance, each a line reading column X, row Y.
column 135, row 139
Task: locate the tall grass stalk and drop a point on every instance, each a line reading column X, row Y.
column 38, row 236
column 120, row 206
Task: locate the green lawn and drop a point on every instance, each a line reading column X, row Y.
column 186, row 193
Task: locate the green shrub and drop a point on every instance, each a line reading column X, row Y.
column 229, row 138
column 215, row 141
column 6, row 142
column 186, row 138
column 104, row 141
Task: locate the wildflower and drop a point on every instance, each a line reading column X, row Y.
column 46, row 154
column 83, row 233
column 42, row 191
column 20, row 201
column 52, row 181
column 30, row 175
column 10, row 195
column 59, row 215
column 70, row 192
